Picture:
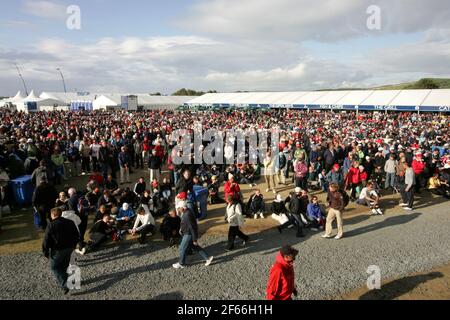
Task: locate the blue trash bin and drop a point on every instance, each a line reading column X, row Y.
column 22, row 189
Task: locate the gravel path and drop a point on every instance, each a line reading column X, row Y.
column 398, row 243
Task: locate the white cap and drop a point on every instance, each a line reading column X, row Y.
column 298, row 190
column 125, row 206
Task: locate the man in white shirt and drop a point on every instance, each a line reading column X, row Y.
column 369, row 197
column 144, row 224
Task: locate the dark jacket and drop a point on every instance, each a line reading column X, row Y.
column 330, row 158
column 154, row 162
column 44, row 195
column 104, row 155
column 60, row 234
column 189, row 225
column 336, row 200
column 184, row 185
column 124, row 159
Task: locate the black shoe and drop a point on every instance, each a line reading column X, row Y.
column 228, row 249
column 65, row 290
column 279, row 229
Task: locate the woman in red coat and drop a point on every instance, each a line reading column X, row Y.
column 281, row 285
column 353, row 179
column 232, row 189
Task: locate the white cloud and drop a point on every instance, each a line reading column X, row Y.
column 45, row 9
column 326, row 20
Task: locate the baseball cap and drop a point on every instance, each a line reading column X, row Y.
column 298, row 190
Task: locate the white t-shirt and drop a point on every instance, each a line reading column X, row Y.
column 95, row 149
column 364, row 194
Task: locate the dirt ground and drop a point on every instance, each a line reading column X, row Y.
column 18, row 235
column 433, row 285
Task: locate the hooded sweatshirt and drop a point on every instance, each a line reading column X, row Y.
column 281, row 280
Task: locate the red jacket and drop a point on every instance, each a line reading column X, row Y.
column 281, row 280
column 353, row 176
column 363, row 176
column 233, row 191
column 418, row 166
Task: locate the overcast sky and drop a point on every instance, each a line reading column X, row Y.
column 228, row 45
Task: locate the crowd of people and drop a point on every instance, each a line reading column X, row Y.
column 367, row 154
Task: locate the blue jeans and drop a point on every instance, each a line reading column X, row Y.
column 186, row 243
column 59, row 262
column 390, row 180
column 176, row 177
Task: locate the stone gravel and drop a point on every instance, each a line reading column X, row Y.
column 398, row 243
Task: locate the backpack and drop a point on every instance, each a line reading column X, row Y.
column 345, row 197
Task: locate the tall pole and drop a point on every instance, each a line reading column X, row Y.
column 62, row 77
column 23, row 81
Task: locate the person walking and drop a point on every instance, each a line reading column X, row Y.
column 43, row 200
column 61, row 237
column 189, row 233
column 336, row 203
column 236, row 220
column 281, row 284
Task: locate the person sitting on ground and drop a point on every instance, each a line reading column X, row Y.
column 214, row 191
column 62, row 200
column 139, row 187
column 278, row 206
column 146, row 200
column 125, row 216
column 437, row 187
column 144, row 224
column 236, row 220
column 369, row 197
column 98, row 234
column 111, row 184
column 232, row 188
column 95, row 180
column 294, row 213
column 170, row 228
column 315, row 214
column 100, row 213
column 255, row 205
column 166, row 188
column 93, row 198
column 107, row 199
column 279, row 210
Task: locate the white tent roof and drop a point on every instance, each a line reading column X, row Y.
column 355, row 98
column 331, row 97
column 148, row 100
column 380, row 98
column 18, row 97
column 68, row 97
column 438, row 98
column 32, row 97
column 310, row 97
column 410, row 98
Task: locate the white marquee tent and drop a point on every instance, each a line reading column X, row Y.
column 396, row 100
